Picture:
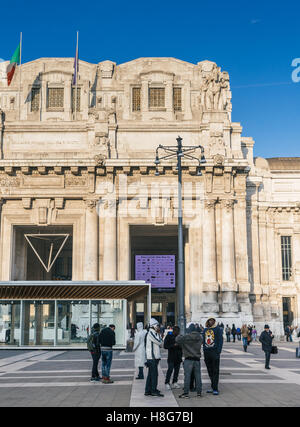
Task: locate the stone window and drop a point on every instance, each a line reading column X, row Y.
column 76, row 100
column 286, row 257
column 156, row 97
column 35, row 99
column 136, row 99
column 177, row 99
column 56, row 99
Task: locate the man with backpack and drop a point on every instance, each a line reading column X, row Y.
column 93, row 345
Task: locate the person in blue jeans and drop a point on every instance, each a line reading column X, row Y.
column 107, row 341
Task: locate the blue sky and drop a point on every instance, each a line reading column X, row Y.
column 255, row 42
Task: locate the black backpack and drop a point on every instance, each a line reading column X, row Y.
column 90, row 342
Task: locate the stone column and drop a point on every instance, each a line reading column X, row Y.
column 210, row 283
column 91, row 241
column 229, row 285
column 110, row 241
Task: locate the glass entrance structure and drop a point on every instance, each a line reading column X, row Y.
column 55, row 322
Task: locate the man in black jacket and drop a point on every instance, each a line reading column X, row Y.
column 95, row 352
column 174, row 357
column 107, row 341
column 266, row 338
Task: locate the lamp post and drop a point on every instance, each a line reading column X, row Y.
column 179, row 152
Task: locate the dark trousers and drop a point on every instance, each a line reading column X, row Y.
column 212, row 361
column 152, row 377
column 233, row 336
column 141, row 372
column 96, row 358
column 172, row 366
column 228, row 337
column 268, row 357
column 192, row 366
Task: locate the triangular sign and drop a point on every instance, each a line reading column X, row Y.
column 52, row 246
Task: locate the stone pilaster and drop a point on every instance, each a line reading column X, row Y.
column 68, row 98
column 91, row 241
column 110, row 241
column 144, row 96
column 229, row 285
column 241, row 255
column 169, row 96
column 263, row 251
column 296, row 257
column 210, row 283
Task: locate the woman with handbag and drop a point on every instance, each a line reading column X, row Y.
column 266, row 339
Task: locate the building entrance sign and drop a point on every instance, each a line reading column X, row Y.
column 53, row 242
column 159, row 270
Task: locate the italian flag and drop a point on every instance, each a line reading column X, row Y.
column 15, row 60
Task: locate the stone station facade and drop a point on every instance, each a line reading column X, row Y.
column 80, row 160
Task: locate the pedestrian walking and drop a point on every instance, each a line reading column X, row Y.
column 266, row 338
column 238, row 333
column 228, row 333
column 254, row 334
column 245, row 334
column 139, row 350
column 153, row 343
column 191, row 348
column 212, row 347
column 174, row 357
column 233, row 332
column 93, row 344
column 107, row 341
column 249, row 334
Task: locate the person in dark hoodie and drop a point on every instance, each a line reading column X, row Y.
column 174, row 357
column 212, row 348
column 191, row 347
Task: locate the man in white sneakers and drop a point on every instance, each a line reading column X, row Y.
column 153, row 342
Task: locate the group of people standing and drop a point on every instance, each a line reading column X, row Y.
column 147, row 345
column 245, row 331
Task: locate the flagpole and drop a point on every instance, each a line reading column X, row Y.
column 20, row 76
column 76, row 85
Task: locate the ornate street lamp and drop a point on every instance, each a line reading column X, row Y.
column 180, row 152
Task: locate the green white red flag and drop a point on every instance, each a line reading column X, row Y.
column 15, row 60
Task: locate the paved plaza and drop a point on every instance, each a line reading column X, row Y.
column 61, row 378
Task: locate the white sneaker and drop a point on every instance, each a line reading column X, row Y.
column 168, row 387
column 176, row 385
